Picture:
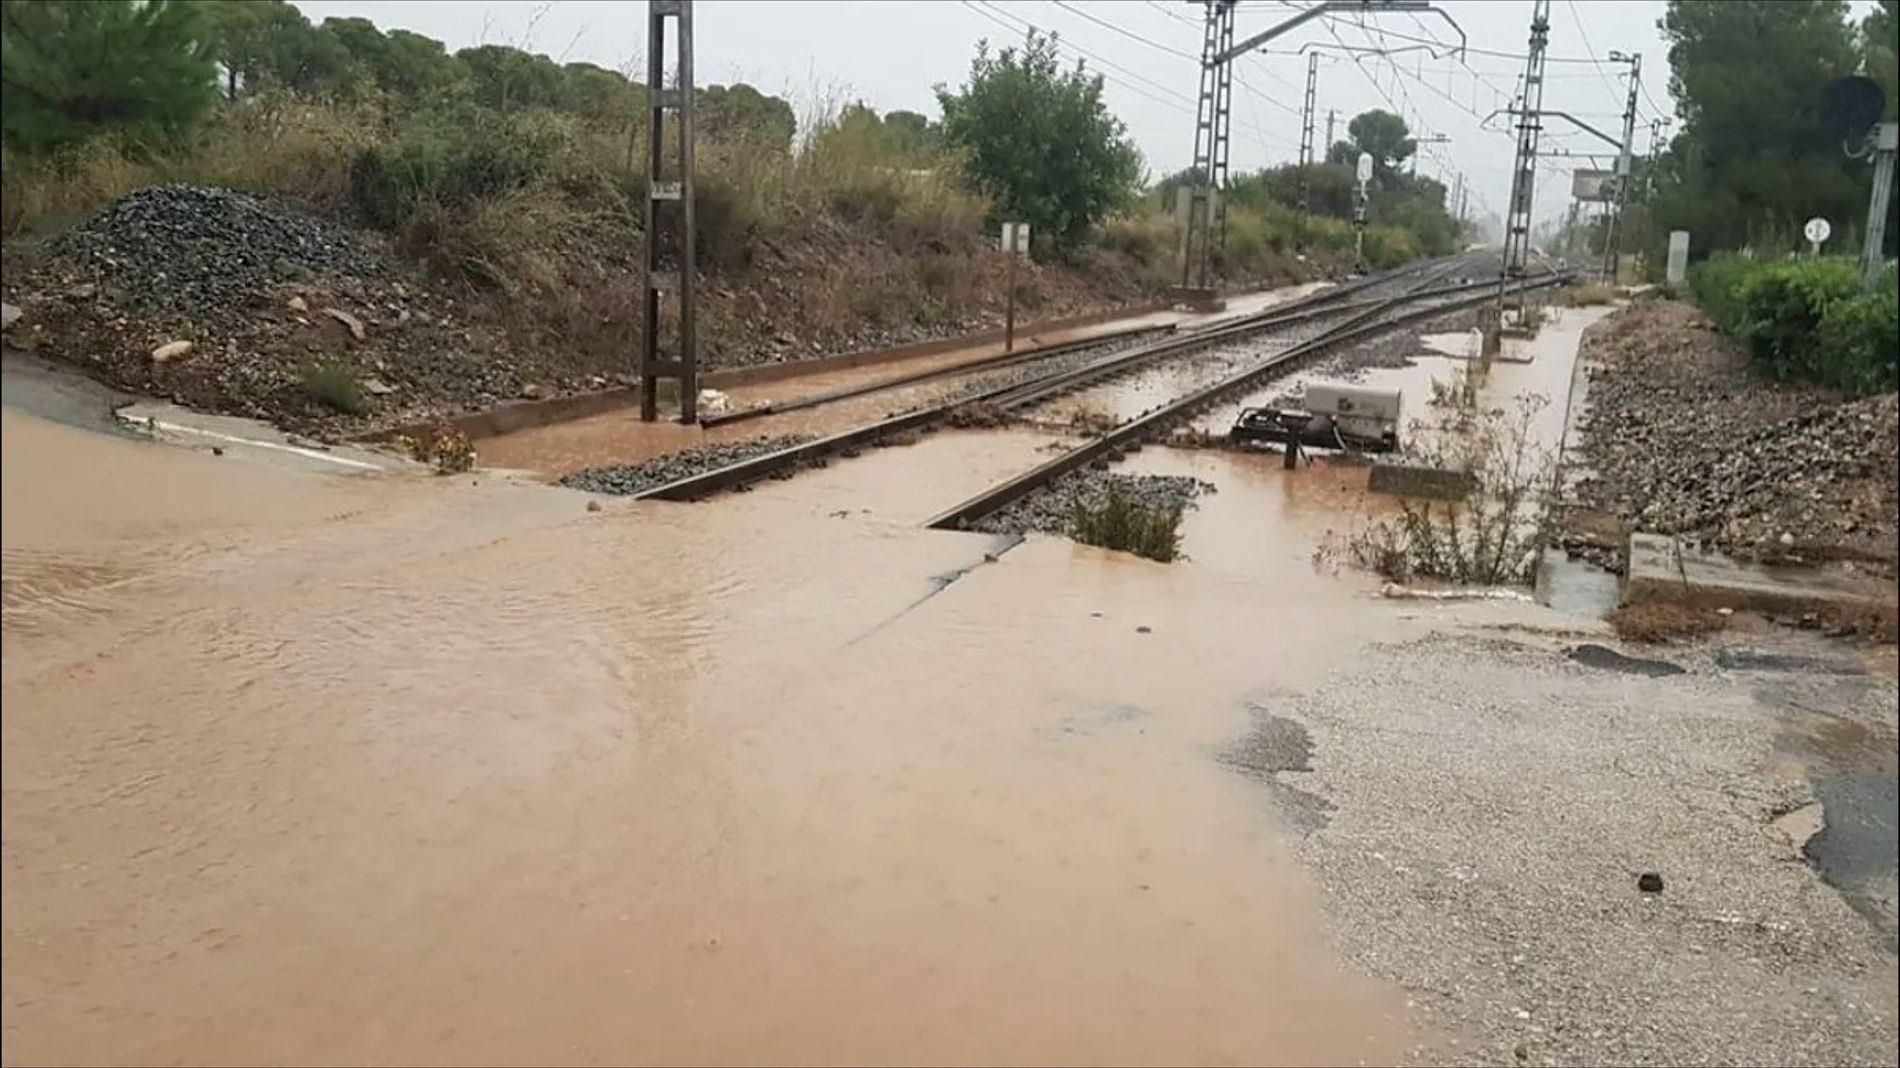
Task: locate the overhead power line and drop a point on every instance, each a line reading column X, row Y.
column 1130, row 34
column 1156, row 92
column 998, row 14
column 1602, row 73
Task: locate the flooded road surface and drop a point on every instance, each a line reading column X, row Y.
column 414, row 770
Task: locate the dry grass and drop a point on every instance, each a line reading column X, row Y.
column 1658, row 621
column 1586, row 295
column 1877, row 622
column 274, row 143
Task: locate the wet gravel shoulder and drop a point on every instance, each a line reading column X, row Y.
column 1480, row 814
column 1682, row 437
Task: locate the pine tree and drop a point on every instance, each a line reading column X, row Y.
column 71, row 69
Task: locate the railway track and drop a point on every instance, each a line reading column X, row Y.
column 1353, row 299
column 1113, row 443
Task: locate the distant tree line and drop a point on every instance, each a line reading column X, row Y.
column 152, row 70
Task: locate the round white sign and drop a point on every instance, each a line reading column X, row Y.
column 1365, row 167
column 1817, row 230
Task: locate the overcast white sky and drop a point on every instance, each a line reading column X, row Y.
column 890, row 53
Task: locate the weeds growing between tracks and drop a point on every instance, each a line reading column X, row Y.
column 1119, row 523
column 1493, row 534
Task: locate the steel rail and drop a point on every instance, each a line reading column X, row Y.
column 1136, row 430
column 1019, row 393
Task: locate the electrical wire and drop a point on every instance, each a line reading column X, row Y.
column 1016, row 24
column 1130, row 34
column 1175, row 15
column 1602, row 72
column 1178, row 104
column 1181, row 99
column 1125, row 32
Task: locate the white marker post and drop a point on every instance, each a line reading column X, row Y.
column 1015, row 243
column 1676, row 271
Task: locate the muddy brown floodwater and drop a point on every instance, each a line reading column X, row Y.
column 312, row 769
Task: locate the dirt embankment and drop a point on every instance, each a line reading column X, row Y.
column 1682, row 436
column 328, row 329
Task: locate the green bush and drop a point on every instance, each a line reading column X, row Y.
column 1782, row 305
column 1716, row 283
column 334, row 386
column 1805, row 320
column 1860, row 338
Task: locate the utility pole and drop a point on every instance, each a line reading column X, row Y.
column 1530, row 126
column 1612, row 235
column 1873, row 252
column 670, row 207
column 1207, row 208
column 1458, row 201
column 1649, row 191
column 1306, row 133
column 1332, row 117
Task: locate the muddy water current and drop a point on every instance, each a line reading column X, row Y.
column 313, row 769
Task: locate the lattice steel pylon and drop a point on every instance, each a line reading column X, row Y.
column 1207, row 202
column 1625, row 168
column 1530, row 127
column 1306, row 133
column 670, row 236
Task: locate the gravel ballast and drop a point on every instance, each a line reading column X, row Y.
column 626, row 479
column 1051, row 510
column 206, row 253
column 1682, row 437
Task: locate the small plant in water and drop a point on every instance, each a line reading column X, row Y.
column 334, row 386
column 1495, row 533
column 442, row 445
column 1120, row 524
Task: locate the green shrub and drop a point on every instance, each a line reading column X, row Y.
column 1389, row 246
column 334, row 386
column 1805, row 319
column 1782, row 306
column 1120, row 524
column 1860, row 340
column 1716, row 284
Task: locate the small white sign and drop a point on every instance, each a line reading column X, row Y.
column 1015, row 238
column 1364, row 170
column 1817, row 232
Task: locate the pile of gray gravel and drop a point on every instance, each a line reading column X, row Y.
column 1682, row 437
column 1051, row 510
column 199, row 252
column 626, row 479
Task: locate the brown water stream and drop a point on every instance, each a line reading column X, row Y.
column 412, row 770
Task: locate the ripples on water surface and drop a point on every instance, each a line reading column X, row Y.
column 337, row 770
